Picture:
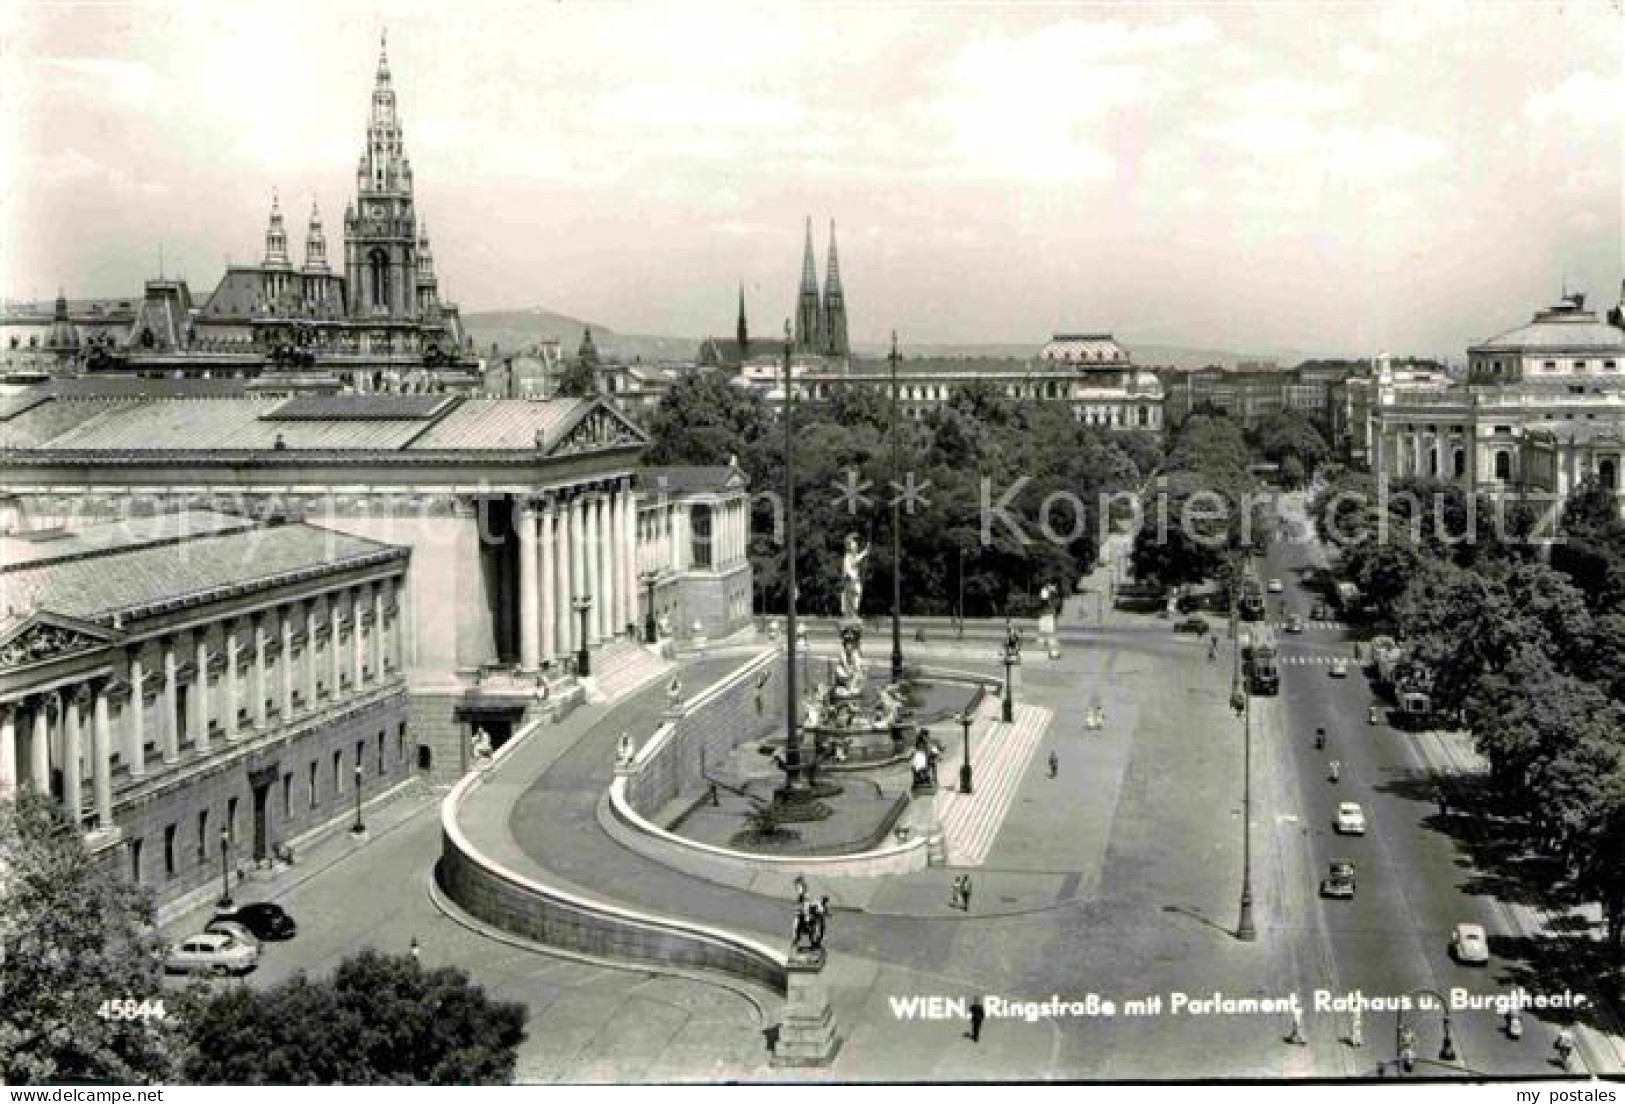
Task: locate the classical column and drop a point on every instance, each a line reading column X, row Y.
column 312, row 657
column 629, row 547
column 578, row 567
column 169, row 726
column 39, row 750
column 257, row 684
column 545, row 584
column 399, row 597
column 285, row 615
column 609, row 625
column 135, row 718
column 8, row 750
column 597, row 584
column 228, row 680
column 72, row 767
column 101, row 752
column 358, row 643
column 524, row 520
column 199, row 698
column 378, row 631
column 334, row 656
column 563, row 593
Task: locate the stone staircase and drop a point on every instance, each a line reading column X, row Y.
column 1000, row 754
column 622, row 666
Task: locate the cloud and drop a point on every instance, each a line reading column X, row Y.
column 1586, row 99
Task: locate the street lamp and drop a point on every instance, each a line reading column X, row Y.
column 225, row 901
column 358, row 828
column 795, row 633
column 1244, row 926
column 896, row 531
column 583, row 661
column 1010, row 660
column 964, row 767
column 649, row 634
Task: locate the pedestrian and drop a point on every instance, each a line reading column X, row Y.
column 1296, row 1038
column 964, row 892
column 416, row 950
column 955, row 892
column 1564, row 1047
column 1054, row 763
column 1444, row 805
column 977, row 1015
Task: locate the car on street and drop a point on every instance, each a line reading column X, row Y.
column 263, row 919
column 1196, row 625
column 211, row 952
column 1339, row 880
column 1274, row 586
column 1339, row 669
column 1469, row 945
column 1294, row 624
column 1350, row 819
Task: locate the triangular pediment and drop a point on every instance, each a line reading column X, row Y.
column 43, row 635
column 596, row 425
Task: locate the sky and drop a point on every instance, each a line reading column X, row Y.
column 1333, row 178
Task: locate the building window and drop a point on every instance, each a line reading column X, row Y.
column 203, row 837
column 1459, row 463
column 380, row 751
column 314, row 766
column 400, row 743
column 135, row 860
column 1607, row 473
column 1550, row 365
column 287, row 795
column 231, row 820
column 1609, row 365
column 1579, row 364
column 1503, row 466
column 338, row 772
column 169, row 851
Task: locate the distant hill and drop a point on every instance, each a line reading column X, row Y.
column 516, row 330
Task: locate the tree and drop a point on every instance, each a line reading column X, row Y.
column 579, row 380
column 73, row 935
column 378, row 1020
column 704, row 419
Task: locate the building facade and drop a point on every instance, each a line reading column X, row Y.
column 522, row 518
column 1541, row 411
column 198, row 691
column 371, row 319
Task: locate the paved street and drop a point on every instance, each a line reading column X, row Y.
column 1415, row 882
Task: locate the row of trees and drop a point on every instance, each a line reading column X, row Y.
column 1526, row 653
column 998, row 497
column 73, row 937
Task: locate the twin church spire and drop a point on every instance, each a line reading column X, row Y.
column 821, row 317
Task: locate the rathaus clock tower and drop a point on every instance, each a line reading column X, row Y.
column 380, row 228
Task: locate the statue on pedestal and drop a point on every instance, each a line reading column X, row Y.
column 849, row 675
column 851, row 577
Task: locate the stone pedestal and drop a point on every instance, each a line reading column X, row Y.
column 807, row 1035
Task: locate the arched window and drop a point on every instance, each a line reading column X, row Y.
column 378, row 265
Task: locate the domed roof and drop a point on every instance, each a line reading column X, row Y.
column 63, row 336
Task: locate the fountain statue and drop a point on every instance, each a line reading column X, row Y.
column 852, row 578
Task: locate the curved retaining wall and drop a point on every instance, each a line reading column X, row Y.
column 559, row 918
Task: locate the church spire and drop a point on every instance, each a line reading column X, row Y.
column 315, row 242
column 834, row 306
column 808, row 309
column 384, row 167
column 740, row 330
column 276, row 237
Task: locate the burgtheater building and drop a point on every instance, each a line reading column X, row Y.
column 532, row 533
column 369, row 319
column 1541, row 411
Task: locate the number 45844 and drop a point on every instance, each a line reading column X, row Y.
column 131, row 1009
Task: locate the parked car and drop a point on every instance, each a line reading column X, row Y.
column 1469, row 945
column 1350, row 819
column 1339, row 880
column 1196, row 625
column 1294, row 624
column 1340, row 668
column 211, row 952
column 263, row 920
column 1274, row 586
